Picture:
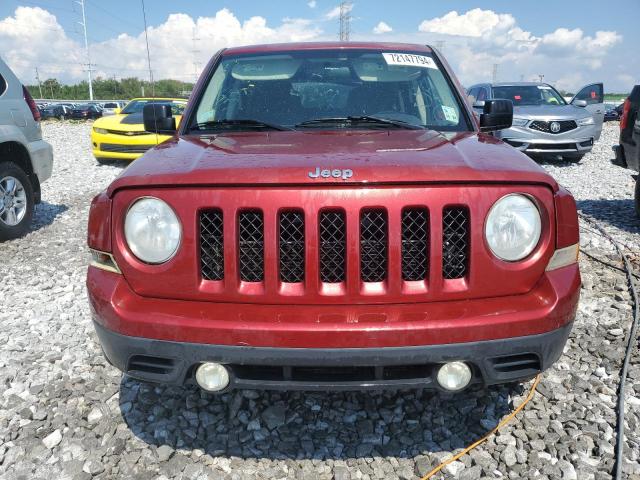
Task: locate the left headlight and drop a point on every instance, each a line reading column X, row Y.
column 586, row 121
column 152, row 230
column 513, row 227
column 101, row 131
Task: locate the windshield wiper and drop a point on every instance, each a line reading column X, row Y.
column 361, row 119
column 229, row 123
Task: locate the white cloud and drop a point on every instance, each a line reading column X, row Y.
column 32, row 37
column 478, row 39
column 312, row 4
column 382, row 27
column 474, row 23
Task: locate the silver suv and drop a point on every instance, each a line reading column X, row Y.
column 25, row 159
column 544, row 123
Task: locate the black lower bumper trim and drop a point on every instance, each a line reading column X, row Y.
column 492, row 361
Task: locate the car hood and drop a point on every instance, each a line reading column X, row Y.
column 546, row 112
column 293, row 158
column 126, row 123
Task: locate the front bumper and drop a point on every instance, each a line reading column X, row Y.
column 320, row 346
column 123, row 147
column 576, row 142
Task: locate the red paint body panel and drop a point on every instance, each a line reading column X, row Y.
column 568, row 229
column 99, row 228
column 550, row 305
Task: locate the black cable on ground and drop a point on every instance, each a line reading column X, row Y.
column 633, row 332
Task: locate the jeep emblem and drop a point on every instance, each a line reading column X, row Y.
column 328, row 173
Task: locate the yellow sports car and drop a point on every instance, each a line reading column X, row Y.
column 122, row 136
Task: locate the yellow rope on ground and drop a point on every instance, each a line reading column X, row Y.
column 504, row 421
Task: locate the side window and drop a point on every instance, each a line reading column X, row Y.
column 591, row 94
column 482, row 94
column 473, row 93
column 3, row 85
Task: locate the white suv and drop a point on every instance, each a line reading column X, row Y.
column 25, row 159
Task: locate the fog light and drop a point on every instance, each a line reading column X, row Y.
column 212, row 377
column 454, row 376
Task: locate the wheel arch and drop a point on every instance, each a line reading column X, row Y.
column 15, row 152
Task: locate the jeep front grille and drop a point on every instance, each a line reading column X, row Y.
column 291, row 248
column 373, row 245
column 410, row 232
column 333, row 246
column 211, row 245
column 251, row 243
column 415, row 244
column 455, row 242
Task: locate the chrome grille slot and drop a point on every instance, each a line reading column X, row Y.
column 455, row 242
column 373, row 245
column 211, row 245
column 251, row 246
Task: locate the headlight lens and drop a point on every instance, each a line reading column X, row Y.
column 101, row 130
column 513, row 227
column 519, row 122
column 586, row 121
column 152, row 230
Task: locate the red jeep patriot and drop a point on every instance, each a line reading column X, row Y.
column 332, row 216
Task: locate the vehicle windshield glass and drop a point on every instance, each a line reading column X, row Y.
column 529, row 95
column 136, row 106
column 290, row 88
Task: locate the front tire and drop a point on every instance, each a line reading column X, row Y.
column 17, row 201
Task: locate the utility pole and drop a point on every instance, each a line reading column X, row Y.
column 495, row 73
column 86, row 46
column 541, row 77
column 39, row 84
column 196, row 66
column 115, row 85
column 345, row 21
column 440, row 45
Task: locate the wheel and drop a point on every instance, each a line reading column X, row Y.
column 637, row 196
column 16, row 201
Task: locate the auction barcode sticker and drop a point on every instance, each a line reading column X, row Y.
column 409, row 60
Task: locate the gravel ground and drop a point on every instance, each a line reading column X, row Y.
column 66, row 414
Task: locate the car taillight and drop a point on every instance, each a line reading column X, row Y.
column 32, row 105
column 99, row 225
column 625, row 114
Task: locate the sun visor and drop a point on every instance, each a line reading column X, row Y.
column 281, row 67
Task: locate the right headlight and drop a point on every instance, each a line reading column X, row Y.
column 586, row 121
column 152, row 230
column 513, row 227
column 519, row 122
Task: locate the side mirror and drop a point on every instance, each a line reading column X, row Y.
column 496, row 115
column 117, row 111
column 580, row 103
column 478, row 104
column 158, row 118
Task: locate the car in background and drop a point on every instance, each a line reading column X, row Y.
column 122, row 136
column 85, row 112
column 627, row 153
column 26, row 160
column 55, row 111
column 611, row 113
column 111, row 108
column 544, row 124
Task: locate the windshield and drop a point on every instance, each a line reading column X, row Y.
column 529, row 95
column 136, row 106
column 294, row 88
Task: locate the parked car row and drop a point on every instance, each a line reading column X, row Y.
column 88, row 110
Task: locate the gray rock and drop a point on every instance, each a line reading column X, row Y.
column 53, row 439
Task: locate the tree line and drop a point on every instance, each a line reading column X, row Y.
column 110, row 89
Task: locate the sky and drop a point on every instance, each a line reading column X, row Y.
column 572, row 43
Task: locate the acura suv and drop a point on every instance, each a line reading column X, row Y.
column 332, row 216
column 544, row 124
